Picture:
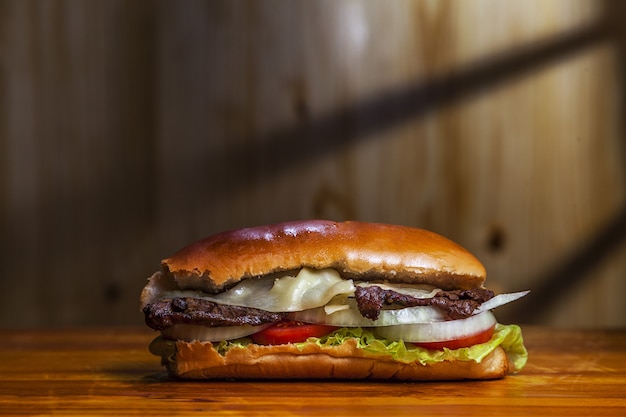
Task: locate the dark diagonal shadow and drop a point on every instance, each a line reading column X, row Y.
column 558, row 282
column 266, row 156
column 313, row 139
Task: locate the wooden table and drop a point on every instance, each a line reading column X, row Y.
column 110, row 371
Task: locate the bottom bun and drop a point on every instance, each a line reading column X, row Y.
column 200, row 360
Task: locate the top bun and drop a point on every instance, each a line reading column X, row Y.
column 358, row 250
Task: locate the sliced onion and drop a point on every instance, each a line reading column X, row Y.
column 439, row 331
column 191, row 332
column 499, row 300
column 352, row 317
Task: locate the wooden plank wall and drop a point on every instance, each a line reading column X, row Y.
column 128, row 129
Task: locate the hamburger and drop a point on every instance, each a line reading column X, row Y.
column 322, row 299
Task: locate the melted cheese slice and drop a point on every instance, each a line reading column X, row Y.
column 308, row 289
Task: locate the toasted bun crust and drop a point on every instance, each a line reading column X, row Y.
column 199, row 360
column 358, row 250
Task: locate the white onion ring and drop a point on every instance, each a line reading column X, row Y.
column 191, row 332
column 439, row 331
column 500, row 300
column 353, row 318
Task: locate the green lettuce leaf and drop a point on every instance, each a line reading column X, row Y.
column 509, row 337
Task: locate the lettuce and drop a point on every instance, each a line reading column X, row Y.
column 509, row 337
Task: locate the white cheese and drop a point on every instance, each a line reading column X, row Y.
column 308, row 289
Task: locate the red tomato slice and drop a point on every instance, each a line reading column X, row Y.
column 458, row 343
column 290, row 332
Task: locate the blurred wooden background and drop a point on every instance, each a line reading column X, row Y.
column 131, row 128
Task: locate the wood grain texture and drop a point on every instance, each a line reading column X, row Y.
column 77, row 161
column 130, row 129
column 109, row 371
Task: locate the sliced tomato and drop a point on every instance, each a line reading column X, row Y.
column 290, row 332
column 458, row 343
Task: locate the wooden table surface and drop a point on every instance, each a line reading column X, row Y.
column 110, row 371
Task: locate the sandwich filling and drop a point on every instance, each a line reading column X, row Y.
column 370, row 300
column 303, row 296
column 421, row 318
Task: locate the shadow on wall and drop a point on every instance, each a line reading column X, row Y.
column 314, row 139
column 328, row 134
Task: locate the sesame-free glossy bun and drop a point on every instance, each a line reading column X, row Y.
column 360, row 250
